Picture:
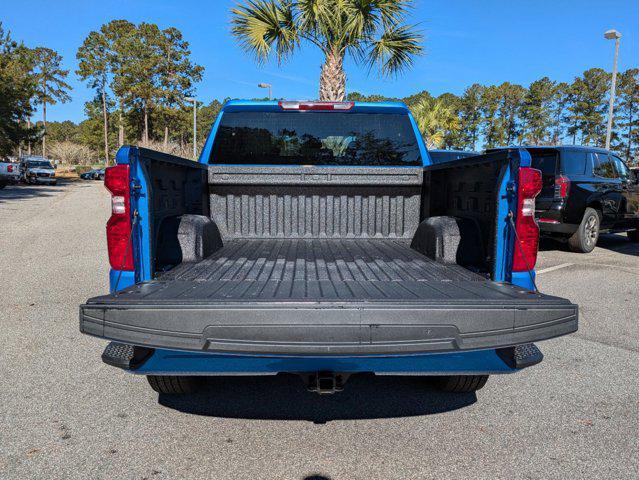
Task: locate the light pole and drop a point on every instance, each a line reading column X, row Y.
column 266, row 85
column 612, row 35
column 194, row 100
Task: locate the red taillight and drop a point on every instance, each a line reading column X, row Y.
column 562, row 186
column 529, row 187
column 292, row 105
column 116, row 180
column 9, row 168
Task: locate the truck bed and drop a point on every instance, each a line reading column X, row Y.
column 315, row 270
column 325, row 296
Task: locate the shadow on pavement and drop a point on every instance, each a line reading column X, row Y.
column 283, row 397
column 615, row 242
column 20, row 191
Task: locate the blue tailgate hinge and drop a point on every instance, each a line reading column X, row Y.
column 136, row 188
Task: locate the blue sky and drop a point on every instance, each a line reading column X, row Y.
column 487, row 41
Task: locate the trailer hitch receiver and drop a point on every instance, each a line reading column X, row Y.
column 326, row 383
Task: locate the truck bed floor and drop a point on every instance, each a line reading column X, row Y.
column 317, row 270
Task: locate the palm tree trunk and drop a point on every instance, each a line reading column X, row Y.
column 106, row 129
column 332, row 86
column 29, row 144
column 44, row 125
column 166, row 137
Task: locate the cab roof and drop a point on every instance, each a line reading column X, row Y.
column 274, row 106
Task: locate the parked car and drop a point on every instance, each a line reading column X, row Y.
column 94, row 174
column 9, row 173
column 37, row 170
column 442, row 156
column 586, row 191
column 334, row 249
column 89, row 174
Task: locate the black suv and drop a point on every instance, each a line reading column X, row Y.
column 586, row 190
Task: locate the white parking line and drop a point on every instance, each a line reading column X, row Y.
column 556, row 267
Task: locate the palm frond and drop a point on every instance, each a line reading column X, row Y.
column 361, row 18
column 316, row 16
column 392, row 12
column 264, row 25
column 395, row 50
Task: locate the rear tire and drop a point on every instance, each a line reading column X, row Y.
column 633, row 235
column 173, row 384
column 461, row 383
column 584, row 240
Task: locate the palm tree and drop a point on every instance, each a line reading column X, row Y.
column 435, row 121
column 372, row 32
column 51, row 86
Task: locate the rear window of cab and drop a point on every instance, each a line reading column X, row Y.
column 315, row 138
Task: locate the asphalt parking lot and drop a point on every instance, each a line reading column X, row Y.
column 64, row 414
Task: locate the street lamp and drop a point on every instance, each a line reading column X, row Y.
column 194, row 100
column 612, row 35
column 266, row 85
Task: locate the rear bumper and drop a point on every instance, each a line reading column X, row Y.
column 43, row 180
column 547, row 226
column 8, row 179
column 143, row 361
column 291, row 329
column 552, row 221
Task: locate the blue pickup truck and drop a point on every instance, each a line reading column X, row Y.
column 319, row 239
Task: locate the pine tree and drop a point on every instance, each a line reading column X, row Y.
column 95, row 66
column 470, row 116
column 627, row 111
column 588, row 106
column 537, row 112
column 51, row 85
column 17, row 88
column 512, row 100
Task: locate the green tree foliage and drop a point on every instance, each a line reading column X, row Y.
column 536, row 112
column 153, row 70
column 436, row 120
column 492, row 123
column 470, row 114
column 358, row 97
column 512, row 101
column 17, row 88
column 117, row 33
column 65, row 131
column 51, row 86
column 373, row 33
column 628, row 113
column 587, row 106
column 142, row 72
column 95, row 66
column 558, row 112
